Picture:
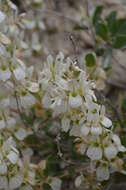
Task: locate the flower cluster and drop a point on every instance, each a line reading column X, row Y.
column 61, row 87
column 15, row 168
column 70, row 95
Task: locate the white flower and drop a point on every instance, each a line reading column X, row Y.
column 4, row 39
column 33, row 87
column 78, row 181
column 56, row 184
column 27, row 153
column 2, row 124
column 46, row 101
column 63, row 84
column 93, row 111
column 94, row 152
column 8, row 144
column 5, row 74
column 2, row 50
column 110, row 151
column 19, row 70
column 96, row 130
column 21, row 134
column 2, row 16
column 5, row 103
column 19, row 73
column 13, row 157
column 102, row 173
column 65, row 124
column 3, row 168
column 75, row 131
column 15, row 181
column 27, row 100
column 106, row 122
column 117, row 142
column 83, row 148
column 75, row 101
column 3, row 183
column 85, row 130
column 11, row 122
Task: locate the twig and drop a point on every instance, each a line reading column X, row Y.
column 72, row 39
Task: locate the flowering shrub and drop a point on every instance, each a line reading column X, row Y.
column 59, row 92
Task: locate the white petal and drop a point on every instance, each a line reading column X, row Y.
column 76, row 101
column 106, row 122
column 74, row 131
column 5, row 103
column 4, row 39
column 46, row 101
column 5, row 75
column 78, row 181
column 122, row 148
column 2, row 16
column 34, row 87
column 85, row 130
column 21, row 134
column 19, row 73
column 82, row 148
column 11, row 123
column 2, row 49
column 2, row 124
column 94, row 153
column 96, row 130
column 110, row 152
column 15, row 182
column 50, row 60
column 102, row 173
column 56, row 184
column 12, row 157
column 27, row 100
column 3, row 168
column 27, row 152
column 3, row 183
column 65, row 124
column 116, row 140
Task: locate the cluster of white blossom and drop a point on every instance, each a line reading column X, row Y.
column 70, row 95
column 34, row 26
column 17, row 93
column 65, row 90
column 15, row 169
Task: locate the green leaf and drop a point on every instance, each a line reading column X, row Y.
column 46, row 187
column 102, row 30
column 123, row 140
column 97, row 14
column 123, row 105
column 121, row 25
column 111, row 22
column 52, row 166
column 119, row 42
column 90, row 60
